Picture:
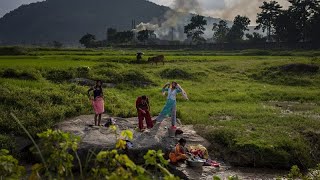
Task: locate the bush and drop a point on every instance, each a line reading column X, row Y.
column 6, row 142
column 129, row 77
column 290, row 74
column 256, row 52
column 82, row 72
column 136, row 78
column 30, row 74
column 176, row 74
column 59, row 76
column 58, row 149
column 10, row 51
column 9, row 167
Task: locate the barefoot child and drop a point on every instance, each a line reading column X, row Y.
column 97, row 101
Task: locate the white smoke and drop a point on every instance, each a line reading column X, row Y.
column 172, row 24
column 146, row 26
column 248, row 8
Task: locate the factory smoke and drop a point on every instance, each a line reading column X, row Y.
column 171, row 25
column 248, row 8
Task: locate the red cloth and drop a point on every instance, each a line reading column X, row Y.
column 146, row 116
column 141, row 116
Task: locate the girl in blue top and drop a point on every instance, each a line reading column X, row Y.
column 170, row 107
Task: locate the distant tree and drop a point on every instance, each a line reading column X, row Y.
column 255, row 37
column 88, row 40
column 285, row 27
column 57, row 44
column 315, row 27
column 240, row 25
column 195, row 28
column 144, row 35
column 221, row 30
column 266, row 19
column 303, row 11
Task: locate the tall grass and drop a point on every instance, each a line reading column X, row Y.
column 229, row 94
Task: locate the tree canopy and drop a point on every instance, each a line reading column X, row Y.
column 240, row 25
column 88, row 40
column 266, row 19
column 195, row 28
column 220, row 31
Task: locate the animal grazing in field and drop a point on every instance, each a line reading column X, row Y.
column 156, row 59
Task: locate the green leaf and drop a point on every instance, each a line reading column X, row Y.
column 127, row 134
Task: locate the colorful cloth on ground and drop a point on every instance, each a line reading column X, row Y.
column 178, row 154
column 199, row 150
column 98, row 105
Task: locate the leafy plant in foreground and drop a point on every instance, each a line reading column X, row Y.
column 57, row 154
column 56, row 146
column 9, row 167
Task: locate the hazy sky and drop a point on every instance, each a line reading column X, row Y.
column 226, row 9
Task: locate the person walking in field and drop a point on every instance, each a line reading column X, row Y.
column 170, row 107
column 143, row 108
column 97, row 101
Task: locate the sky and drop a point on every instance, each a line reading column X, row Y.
column 225, row 9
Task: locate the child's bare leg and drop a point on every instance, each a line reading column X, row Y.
column 99, row 120
column 95, row 119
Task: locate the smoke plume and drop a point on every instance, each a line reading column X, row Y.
column 171, row 26
column 248, row 8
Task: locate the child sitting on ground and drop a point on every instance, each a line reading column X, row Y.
column 179, row 153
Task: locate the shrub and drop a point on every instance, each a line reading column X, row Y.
column 82, row 72
column 57, row 148
column 30, row 74
column 176, row 74
column 136, row 78
column 6, row 142
column 129, row 77
column 59, row 76
column 9, row 167
column 256, row 52
column 290, row 74
column 16, row 50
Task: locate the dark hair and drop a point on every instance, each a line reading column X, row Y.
column 97, row 81
column 182, row 141
column 144, row 97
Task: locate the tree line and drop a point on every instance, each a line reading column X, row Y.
column 300, row 22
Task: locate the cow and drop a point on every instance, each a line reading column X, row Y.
column 156, row 59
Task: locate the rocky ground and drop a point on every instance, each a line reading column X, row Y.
column 99, row 138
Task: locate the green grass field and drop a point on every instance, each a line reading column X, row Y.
column 253, row 112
